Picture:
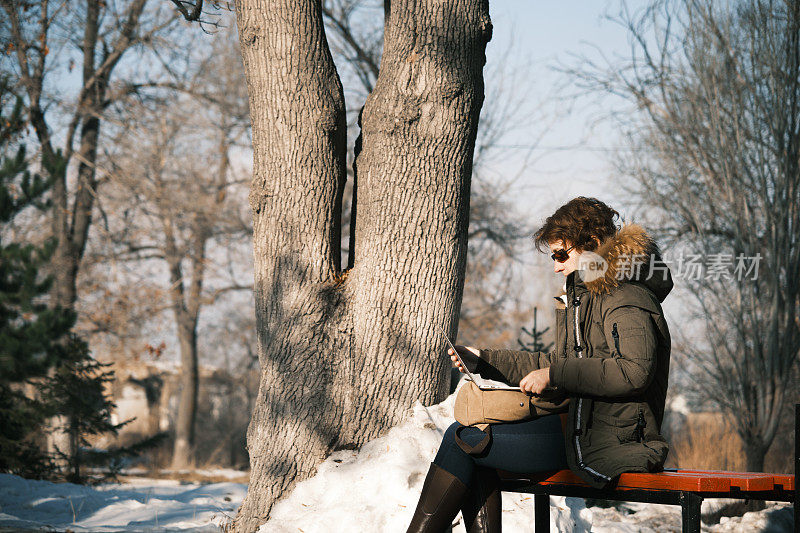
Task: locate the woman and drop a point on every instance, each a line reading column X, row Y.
column 611, row 359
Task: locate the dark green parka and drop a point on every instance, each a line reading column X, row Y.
column 615, row 370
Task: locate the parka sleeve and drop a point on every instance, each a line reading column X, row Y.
column 512, row 365
column 631, row 337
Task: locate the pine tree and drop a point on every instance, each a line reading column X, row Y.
column 46, row 371
column 534, row 342
column 76, row 390
column 29, row 330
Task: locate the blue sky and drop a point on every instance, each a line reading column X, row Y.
column 544, row 33
column 549, row 28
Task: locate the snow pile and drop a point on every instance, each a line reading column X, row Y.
column 632, row 517
column 149, row 505
column 776, row 518
column 377, row 487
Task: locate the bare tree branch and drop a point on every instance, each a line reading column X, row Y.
column 715, row 156
column 190, row 11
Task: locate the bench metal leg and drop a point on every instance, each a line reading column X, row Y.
column 541, row 510
column 796, row 466
column 690, row 512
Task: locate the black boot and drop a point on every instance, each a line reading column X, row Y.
column 442, row 495
column 482, row 507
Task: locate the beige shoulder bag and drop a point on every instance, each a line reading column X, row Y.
column 476, row 407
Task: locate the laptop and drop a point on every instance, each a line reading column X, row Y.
column 483, row 384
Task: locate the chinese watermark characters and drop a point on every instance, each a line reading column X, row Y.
column 693, row 267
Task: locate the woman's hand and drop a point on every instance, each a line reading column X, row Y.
column 536, row 381
column 469, row 354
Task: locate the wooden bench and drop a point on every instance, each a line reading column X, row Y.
column 686, row 488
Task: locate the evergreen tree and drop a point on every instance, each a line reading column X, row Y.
column 29, row 330
column 47, row 373
column 534, row 342
column 77, row 391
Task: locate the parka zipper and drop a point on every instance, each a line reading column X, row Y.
column 641, row 423
column 579, row 351
column 578, row 347
column 576, row 306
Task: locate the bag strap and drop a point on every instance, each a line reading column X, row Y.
column 479, row 448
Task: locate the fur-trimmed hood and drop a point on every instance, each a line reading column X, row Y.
column 628, row 255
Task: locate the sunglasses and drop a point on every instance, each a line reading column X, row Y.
column 561, row 255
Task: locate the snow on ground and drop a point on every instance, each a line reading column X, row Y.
column 373, row 489
column 652, row 518
column 147, row 505
column 377, row 488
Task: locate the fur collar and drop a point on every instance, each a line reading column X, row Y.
column 631, row 240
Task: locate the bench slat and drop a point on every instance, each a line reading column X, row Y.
column 749, row 481
column 752, row 481
column 786, row 481
column 681, row 480
column 675, row 481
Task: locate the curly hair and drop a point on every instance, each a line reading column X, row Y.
column 578, row 222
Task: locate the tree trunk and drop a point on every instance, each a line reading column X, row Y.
column 414, row 170
column 72, row 237
column 186, row 294
column 186, row 309
column 755, row 458
column 345, row 354
column 74, row 453
column 187, row 406
column 755, row 452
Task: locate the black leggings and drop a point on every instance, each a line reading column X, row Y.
column 521, row 447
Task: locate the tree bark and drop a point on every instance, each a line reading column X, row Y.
column 187, row 407
column 186, row 309
column 344, row 354
column 755, row 453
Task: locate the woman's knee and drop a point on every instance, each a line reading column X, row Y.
column 450, row 434
column 449, row 451
column 469, row 434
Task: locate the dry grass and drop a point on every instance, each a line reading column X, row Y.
column 707, row 442
column 188, row 476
